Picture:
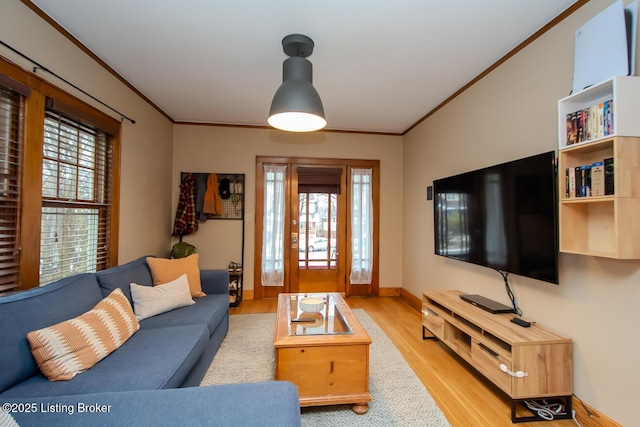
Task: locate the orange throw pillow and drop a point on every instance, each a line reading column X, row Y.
column 165, row 270
column 68, row 348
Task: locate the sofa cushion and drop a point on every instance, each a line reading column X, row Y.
column 165, row 270
column 68, row 348
column 151, row 359
column 208, row 310
column 151, row 300
column 37, row 308
column 136, row 271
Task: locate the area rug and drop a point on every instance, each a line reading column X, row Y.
column 399, row 397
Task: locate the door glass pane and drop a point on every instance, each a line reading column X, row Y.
column 317, row 230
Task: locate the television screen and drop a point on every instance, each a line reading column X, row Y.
column 503, row 217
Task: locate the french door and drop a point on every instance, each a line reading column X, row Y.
column 316, row 239
column 318, row 259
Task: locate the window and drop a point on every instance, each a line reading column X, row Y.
column 11, row 106
column 76, row 165
column 59, row 171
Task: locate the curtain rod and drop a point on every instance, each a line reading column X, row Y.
column 45, row 69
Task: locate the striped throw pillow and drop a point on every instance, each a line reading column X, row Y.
column 68, row 348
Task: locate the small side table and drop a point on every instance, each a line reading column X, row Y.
column 235, row 295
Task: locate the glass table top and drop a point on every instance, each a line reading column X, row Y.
column 315, row 314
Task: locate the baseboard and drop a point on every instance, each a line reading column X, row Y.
column 411, row 299
column 247, row 294
column 389, row 292
column 596, row 419
column 407, row 297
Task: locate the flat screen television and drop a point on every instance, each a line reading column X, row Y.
column 502, row 217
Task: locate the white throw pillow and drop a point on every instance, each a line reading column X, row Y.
column 151, row 300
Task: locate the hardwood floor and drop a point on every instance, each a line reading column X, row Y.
column 465, row 397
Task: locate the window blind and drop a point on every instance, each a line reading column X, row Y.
column 76, row 198
column 11, row 108
column 319, row 180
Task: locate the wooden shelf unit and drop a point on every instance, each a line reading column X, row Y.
column 623, row 91
column 541, row 359
column 604, row 226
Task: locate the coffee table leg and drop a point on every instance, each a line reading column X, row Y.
column 360, row 408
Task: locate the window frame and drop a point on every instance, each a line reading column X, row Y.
column 33, row 139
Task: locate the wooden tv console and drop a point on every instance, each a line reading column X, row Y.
column 526, row 363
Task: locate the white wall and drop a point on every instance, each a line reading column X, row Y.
column 145, row 203
column 234, row 150
column 509, row 114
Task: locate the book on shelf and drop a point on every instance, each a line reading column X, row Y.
column 590, row 123
column 608, row 117
column 593, row 122
column 572, row 128
column 571, row 182
column 580, row 119
column 609, row 188
column 599, row 131
column 597, row 179
column 585, row 189
column 583, row 181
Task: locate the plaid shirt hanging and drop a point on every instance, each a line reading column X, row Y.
column 186, row 221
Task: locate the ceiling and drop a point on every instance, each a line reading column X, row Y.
column 378, row 65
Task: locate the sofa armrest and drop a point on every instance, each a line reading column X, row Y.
column 215, row 281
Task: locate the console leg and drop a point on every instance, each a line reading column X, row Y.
column 534, row 417
column 425, row 337
column 360, row 408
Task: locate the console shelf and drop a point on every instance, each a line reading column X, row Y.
column 525, row 363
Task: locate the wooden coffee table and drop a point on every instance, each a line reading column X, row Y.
column 327, row 357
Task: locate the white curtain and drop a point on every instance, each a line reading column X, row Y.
column 273, row 226
column 361, row 227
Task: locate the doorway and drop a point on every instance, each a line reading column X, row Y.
column 316, row 238
column 322, row 214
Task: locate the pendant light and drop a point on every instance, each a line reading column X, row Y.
column 296, row 106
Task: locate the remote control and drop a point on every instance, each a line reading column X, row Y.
column 521, row 322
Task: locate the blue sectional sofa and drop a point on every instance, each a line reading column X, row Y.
column 150, row 379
